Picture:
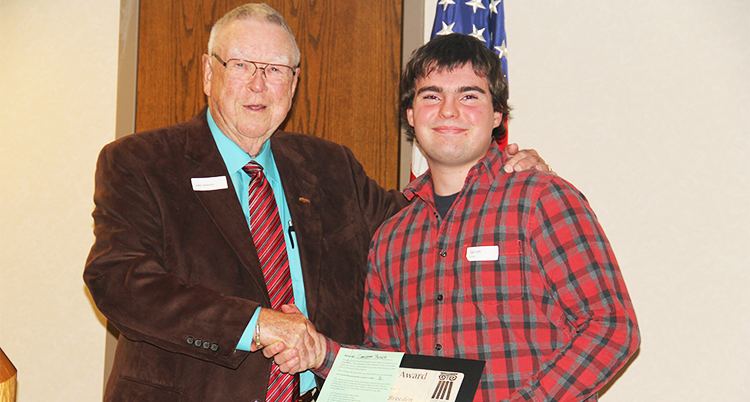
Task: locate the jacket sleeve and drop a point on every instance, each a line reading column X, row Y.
column 376, row 203
column 145, row 296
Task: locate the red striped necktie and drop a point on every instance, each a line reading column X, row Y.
column 268, row 237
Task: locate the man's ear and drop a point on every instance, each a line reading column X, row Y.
column 207, row 73
column 295, row 80
column 410, row 116
column 498, row 119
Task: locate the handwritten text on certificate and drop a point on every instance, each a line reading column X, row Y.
column 361, row 376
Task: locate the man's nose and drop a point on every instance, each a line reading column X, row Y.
column 257, row 82
column 448, row 109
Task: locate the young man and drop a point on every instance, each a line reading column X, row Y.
column 510, row 268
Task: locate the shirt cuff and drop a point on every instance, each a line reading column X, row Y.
column 332, row 349
column 247, row 337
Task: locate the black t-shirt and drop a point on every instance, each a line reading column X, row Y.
column 443, row 203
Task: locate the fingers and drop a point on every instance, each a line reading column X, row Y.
column 274, row 349
column 290, row 309
column 290, row 328
column 290, row 339
column 511, row 150
column 321, row 349
column 288, row 360
column 306, row 355
column 524, row 160
column 293, row 360
column 297, row 360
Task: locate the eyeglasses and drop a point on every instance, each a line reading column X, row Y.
column 238, row 69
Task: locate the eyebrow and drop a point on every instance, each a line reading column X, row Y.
column 437, row 89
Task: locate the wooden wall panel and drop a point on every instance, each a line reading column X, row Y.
column 351, row 59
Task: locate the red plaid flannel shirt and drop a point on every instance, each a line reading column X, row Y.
column 551, row 316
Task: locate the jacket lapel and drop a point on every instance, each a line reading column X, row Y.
column 221, row 205
column 303, row 197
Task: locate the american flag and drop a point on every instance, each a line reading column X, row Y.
column 483, row 19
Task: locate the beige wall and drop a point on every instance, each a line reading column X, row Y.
column 645, row 107
column 58, row 79
column 654, row 95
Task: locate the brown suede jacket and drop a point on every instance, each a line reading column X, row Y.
column 175, row 270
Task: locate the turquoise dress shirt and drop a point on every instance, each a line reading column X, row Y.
column 235, row 159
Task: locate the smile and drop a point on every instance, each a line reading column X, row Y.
column 449, row 130
column 255, row 108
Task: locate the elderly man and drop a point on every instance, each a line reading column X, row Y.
column 510, row 268
column 204, row 229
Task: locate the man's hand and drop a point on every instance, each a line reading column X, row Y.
column 290, row 339
column 524, row 160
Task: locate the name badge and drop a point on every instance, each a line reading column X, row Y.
column 483, row 253
column 209, row 183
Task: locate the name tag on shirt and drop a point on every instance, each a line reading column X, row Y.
column 209, row 183
column 483, row 253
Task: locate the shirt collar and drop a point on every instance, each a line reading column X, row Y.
column 491, row 164
column 234, row 157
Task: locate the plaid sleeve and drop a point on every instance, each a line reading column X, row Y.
column 576, row 260
column 382, row 328
column 332, row 349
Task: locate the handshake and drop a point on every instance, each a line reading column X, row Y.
column 290, row 339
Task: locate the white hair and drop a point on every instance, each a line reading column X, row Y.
column 252, row 11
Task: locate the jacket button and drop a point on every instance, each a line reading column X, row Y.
column 206, row 345
column 198, row 343
column 189, row 340
column 214, row 347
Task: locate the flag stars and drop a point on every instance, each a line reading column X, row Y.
column 493, row 5
column 446, row 3
column 477, row 33
column 447, row 29
column 476, row 4
column 502, row 50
